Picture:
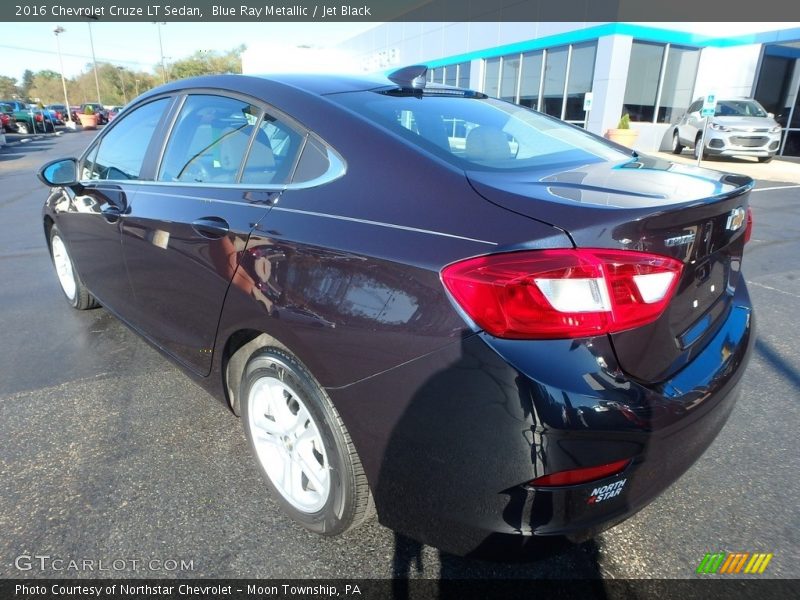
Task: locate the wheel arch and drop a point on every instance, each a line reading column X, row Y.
column 48, row 225
column 238, row 349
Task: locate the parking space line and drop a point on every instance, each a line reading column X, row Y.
column 777, row 187
column 772, row 289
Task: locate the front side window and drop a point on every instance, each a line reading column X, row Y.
column 120, row 153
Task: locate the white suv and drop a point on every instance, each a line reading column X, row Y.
column 739, row 127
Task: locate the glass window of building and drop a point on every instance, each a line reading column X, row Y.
column 463, row 74
column 531, row 79
column 553, row 81
column 642, row 86
column 491, row 77
column 509, row 78
column 678, row 85
column 660, row 81
column 451, row 74
column 581, row 73
column 555, row 74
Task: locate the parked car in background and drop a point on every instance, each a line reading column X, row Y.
column 113, row 112
column 29, row 120
column 8, row 122
column 59, row 113
column 506, row 330
column 99, row 110
column 739, row 127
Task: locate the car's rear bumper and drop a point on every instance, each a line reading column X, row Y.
column 450, row 464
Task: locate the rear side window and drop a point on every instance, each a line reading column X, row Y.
column 273, row 154
column 209, row 140
column 121, row 152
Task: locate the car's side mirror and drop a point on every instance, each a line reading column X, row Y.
column 60, row 172
column 771, row 115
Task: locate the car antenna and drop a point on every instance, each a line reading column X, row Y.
column 410, row 78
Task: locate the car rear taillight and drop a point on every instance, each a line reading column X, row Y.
column 582, row 475
column 748, row 229
column 39, row 117
column 549, row 294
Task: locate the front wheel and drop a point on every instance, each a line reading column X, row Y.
column 677, row 147
column 698, row 149
column 302, row 446
column 75, row 292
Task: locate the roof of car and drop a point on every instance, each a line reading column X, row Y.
column 316, row 84
column 326, row 83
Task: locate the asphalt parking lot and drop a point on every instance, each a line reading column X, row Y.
column 108, row 452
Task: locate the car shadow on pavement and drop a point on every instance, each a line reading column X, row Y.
column 778, row 363
column 26, row 148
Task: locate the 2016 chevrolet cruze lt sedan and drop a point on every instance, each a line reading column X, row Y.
column 474, row 319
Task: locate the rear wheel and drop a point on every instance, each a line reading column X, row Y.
column 301, row 444
column 23, row 128
column 75, row 292
column 677, row 147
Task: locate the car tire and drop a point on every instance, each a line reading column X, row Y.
column 677, row 147
column 765, row 159
column 23, row 128
column 301, row 444
column 74, row 291
column 698, row 148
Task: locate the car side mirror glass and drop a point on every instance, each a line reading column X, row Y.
column 60, row 172
column 771, row 115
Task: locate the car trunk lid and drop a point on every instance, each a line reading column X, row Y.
column 649, row 205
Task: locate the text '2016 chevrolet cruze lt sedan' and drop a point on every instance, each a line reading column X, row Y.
column 479, row 320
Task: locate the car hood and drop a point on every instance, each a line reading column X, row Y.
column 746, row 122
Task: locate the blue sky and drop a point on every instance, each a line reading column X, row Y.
column 135, row 45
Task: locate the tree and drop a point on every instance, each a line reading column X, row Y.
column 27, row 82
column 8, row 87
column 46, row 86
column 207, row 63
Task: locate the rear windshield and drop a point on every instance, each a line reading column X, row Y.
column 474, row 132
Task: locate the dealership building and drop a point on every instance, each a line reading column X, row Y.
column 651, row 71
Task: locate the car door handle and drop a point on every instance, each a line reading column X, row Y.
column 212, row 228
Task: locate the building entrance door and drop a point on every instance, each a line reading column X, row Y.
column 777, row 91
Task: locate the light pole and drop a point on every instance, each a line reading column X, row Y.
column 122, row 79
column 161, row 49
column 137, row 86
column 57, row 31
column 94, row 62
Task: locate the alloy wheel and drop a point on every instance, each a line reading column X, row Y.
column 288, row 444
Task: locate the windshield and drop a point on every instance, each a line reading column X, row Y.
column 476, row 132
column 739, row 108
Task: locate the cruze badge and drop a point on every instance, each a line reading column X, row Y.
column 736, row 219
column 679, row 240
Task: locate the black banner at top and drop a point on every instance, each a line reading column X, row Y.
column 400, row 10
